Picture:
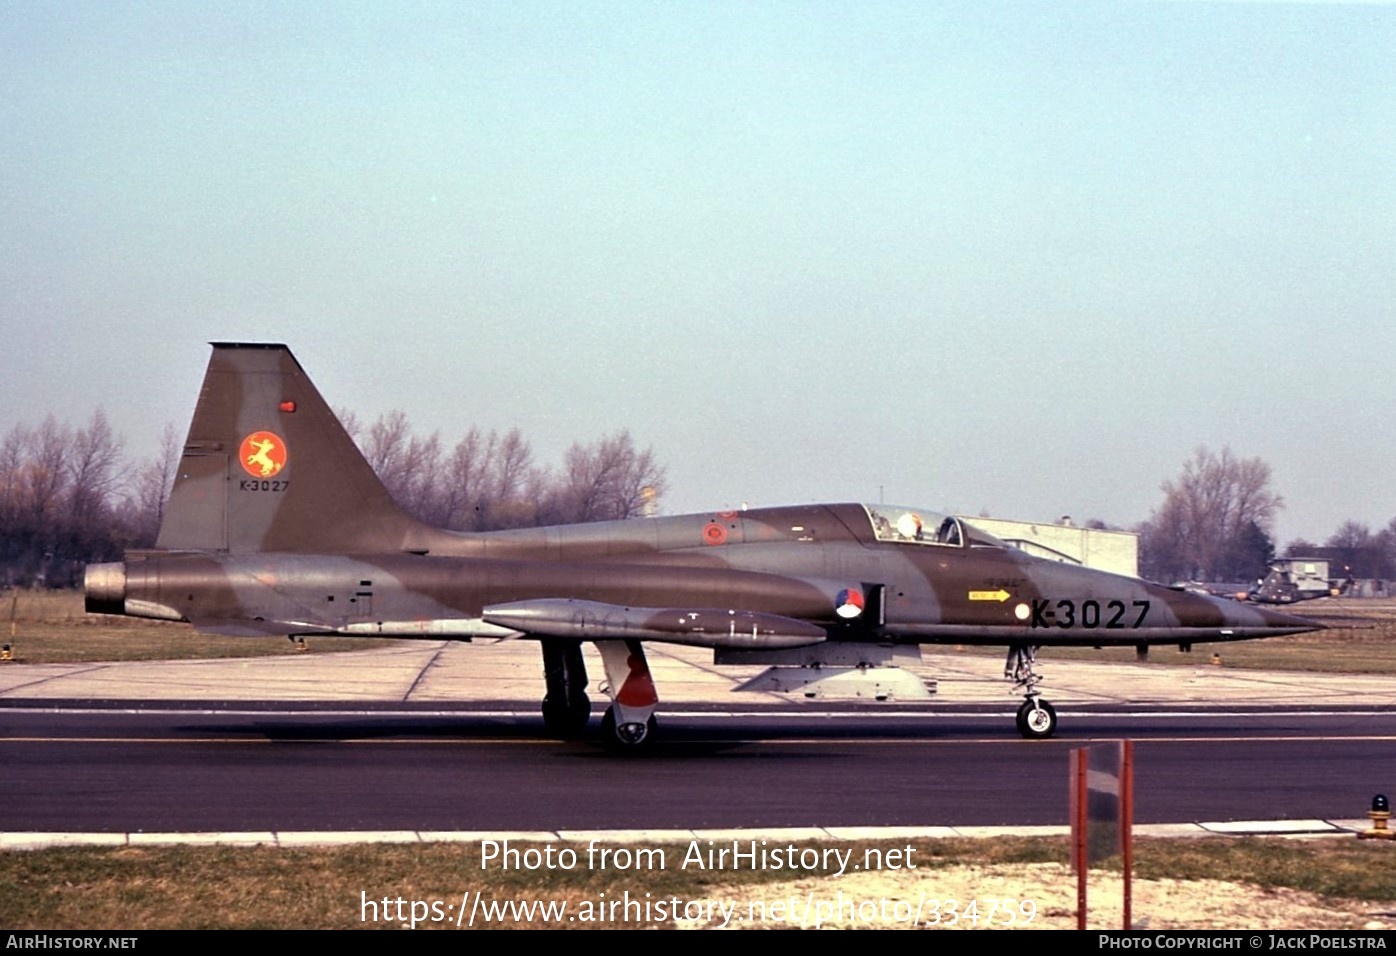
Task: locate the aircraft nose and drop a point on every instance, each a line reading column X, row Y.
column 1254, row 621
column 1229, row 620
column 1279, row 619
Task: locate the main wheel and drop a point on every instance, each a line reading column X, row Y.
column 1036, row 719
column 566, row 719
column 627, row 738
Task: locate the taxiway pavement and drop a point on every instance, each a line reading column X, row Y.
column 425, row 672
column 419, row 677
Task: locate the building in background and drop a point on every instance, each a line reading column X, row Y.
column 1100, row 548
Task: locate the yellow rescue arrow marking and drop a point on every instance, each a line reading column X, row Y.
column 1000, row 595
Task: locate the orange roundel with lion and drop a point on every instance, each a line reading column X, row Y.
column 263, row 454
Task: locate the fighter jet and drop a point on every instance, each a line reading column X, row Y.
column 277, row 525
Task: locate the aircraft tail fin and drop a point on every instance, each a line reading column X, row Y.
column 268, row 467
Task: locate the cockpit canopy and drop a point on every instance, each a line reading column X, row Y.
column 897, row 523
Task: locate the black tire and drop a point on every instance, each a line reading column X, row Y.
column 626, row 739
column 566, row 720
column 1037, row 720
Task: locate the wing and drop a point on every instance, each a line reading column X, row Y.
column 729, row 628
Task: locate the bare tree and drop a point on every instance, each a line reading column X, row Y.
column 608, row 480
column 66, row 498
column 94, row 468
column 511, row 497
column 45, row 476
column 1362, row 553
column 1215, row 520
column 13, row 453
column 1384, row 541
column 146, row 504
column 14, row 534
column 351, row 423
column 57, row 491
column 490, row 481
column 1300, row 548
column 511, row 465
column 408, row 466
column 463, row 481
column 385, row 446
column 420, row 484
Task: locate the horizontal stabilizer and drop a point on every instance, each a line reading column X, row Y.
column 700, row 627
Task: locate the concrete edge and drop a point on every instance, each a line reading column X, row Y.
column 327, row 838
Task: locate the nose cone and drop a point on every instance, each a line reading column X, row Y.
column 1290, row 623
column 1232, row 619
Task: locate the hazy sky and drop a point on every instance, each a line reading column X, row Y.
column 1012, row 258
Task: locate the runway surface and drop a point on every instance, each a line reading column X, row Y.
column 295, row 770
column 225, row 746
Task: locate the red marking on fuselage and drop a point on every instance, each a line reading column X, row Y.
column 714, row 533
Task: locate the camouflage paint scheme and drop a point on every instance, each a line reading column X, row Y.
column 277, row 525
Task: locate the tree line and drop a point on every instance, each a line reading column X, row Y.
column 1355, row 549
column 490, row 481
column 1216, row 524
column 69, row 495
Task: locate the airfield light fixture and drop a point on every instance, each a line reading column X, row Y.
column 1379, row 815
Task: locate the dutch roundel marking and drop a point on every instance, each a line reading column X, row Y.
column 714, row 533
column 849, row 604
column 263, row 454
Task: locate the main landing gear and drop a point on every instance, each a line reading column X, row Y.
column 629, row 737
column 628, row 725
column 566, row 708
column 1037, row 720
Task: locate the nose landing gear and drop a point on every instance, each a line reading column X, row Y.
column 1037, row 720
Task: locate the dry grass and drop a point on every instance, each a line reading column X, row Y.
column 259, row 887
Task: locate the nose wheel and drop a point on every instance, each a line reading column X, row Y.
column 1037, row 720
